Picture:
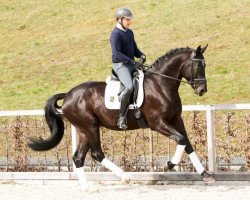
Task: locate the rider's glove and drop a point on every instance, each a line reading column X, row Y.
column 137, row 65
column 143, row 58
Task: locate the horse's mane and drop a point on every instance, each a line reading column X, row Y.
column 170, row 54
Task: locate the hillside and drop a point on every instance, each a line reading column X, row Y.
column 47, row 47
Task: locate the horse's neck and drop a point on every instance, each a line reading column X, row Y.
column 167, row 88
column 171, row 68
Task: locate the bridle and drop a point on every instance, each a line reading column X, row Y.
column 192, row 81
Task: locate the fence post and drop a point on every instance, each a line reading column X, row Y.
column 151, row 151
column 74, row 143
column 210, row 139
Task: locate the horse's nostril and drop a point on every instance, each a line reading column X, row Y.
column 201, row 92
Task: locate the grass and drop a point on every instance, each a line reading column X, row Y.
column 48, row 46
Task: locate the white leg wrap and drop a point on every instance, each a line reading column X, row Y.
column 112, row 167
column 82, row 178
column 196, row 162
column 178, row 153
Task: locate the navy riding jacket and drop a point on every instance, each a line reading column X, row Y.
column 123, row 45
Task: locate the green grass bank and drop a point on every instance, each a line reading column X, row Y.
column 47, row 47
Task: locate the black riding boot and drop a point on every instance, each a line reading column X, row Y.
column 122, row 120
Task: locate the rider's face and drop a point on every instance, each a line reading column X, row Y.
column 126, row 22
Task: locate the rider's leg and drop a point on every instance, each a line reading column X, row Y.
column 124, row 72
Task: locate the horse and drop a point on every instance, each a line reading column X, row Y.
column 83, row 106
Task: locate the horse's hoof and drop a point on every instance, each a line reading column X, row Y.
column 168, row 167
column 209, row 180
column 125, row 179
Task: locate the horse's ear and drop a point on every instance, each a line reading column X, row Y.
column 198, row 50
column 204, row 49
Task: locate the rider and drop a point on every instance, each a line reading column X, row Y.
column 124, row 49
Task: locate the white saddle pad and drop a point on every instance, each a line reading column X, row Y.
column 112, row 89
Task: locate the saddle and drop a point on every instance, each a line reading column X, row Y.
column 114, row 89
column 135, row 78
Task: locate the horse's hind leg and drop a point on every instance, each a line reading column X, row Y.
column 79, row 158
column 97, row 153
column 81, row 150
column 89, row 124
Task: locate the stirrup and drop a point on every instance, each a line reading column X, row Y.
column 122, row 123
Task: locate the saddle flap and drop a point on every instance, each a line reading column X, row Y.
column 114, row 87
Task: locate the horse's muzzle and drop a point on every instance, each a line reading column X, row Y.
column 200, row 90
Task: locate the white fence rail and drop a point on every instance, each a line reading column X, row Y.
column 209, row 109
column 211, row 128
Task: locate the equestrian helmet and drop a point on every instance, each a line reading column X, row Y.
column 123, row 13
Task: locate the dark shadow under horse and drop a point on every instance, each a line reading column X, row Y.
column 83, row 106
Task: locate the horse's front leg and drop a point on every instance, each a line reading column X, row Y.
column 177, row 132
column 178, row 124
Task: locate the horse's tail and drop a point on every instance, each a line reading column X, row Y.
column 55, row 123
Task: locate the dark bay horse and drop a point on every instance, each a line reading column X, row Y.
column 83, row 106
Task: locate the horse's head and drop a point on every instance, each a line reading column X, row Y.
column 196, row 71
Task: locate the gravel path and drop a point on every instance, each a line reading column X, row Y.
column 64, row 190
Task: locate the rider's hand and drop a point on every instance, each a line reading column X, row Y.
column 137, row 65
column 143, row 58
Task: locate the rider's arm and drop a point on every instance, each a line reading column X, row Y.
column 137, row 51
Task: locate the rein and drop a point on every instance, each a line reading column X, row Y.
column 192, row 82
column 169, row 77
